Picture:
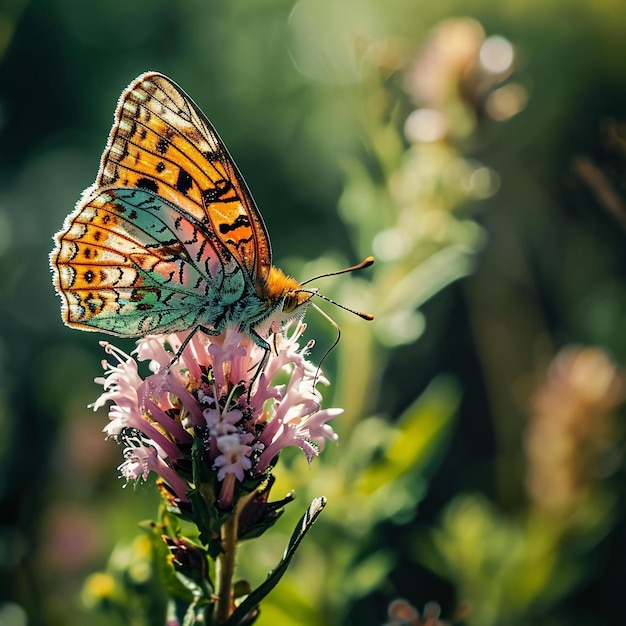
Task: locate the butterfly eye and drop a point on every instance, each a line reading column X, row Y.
column 294, row 299
column 291, row 302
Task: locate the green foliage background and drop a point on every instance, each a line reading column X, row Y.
column 426, row 490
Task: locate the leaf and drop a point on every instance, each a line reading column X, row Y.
column 258, row 514
column 195, row 613
column 199, row 469
column 254, row 599
column 163, row 566
column 190, row 560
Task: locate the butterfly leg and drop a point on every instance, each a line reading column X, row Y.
column 262, row 343
column 207, row 331
column 258, row 340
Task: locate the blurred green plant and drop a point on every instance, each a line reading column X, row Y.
column 401, row 199
column 512, row 568
column 550, row 273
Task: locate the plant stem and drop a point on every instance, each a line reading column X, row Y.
column 227, row 567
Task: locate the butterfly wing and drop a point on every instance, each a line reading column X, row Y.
column 163, row 150
column 161, row 141
column 131, row 263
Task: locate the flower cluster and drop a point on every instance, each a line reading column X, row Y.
column 571, row 437
column 219, row 395
column 460, row 76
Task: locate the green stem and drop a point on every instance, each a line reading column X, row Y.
column 227, row 567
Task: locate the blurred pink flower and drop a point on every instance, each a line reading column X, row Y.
column 401, row 613
column 571, row 437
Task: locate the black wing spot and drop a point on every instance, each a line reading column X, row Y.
column 148, row 183
column 222, row 187
column 89, row 276
column 94, row 304
column 144, row 133
column 242, row 220
column 162, row 146
column 240, row 243
column 160, row 166
column 184, row 181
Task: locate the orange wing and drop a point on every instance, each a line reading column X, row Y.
column 161, row 141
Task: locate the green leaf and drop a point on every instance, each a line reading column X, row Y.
column 258, row 514
column 163, row 565
column 200, row 470
column 207, row 521
column 190, row 560
column 253, row 600
column 196, row 613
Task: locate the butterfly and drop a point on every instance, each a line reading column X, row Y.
column 168, row 238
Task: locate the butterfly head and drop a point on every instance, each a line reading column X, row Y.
column 288, row 299
column 297, row 300
column 285, row 295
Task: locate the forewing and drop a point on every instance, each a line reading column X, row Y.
column 161, row 141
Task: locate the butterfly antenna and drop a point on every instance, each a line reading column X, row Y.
column 359, row 266
column 365, row 316
column 336, row 327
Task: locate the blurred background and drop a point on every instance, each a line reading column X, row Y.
column 481, row 157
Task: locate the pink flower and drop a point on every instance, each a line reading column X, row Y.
column 211, row 396
column 234, row 458
column 141, row 460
